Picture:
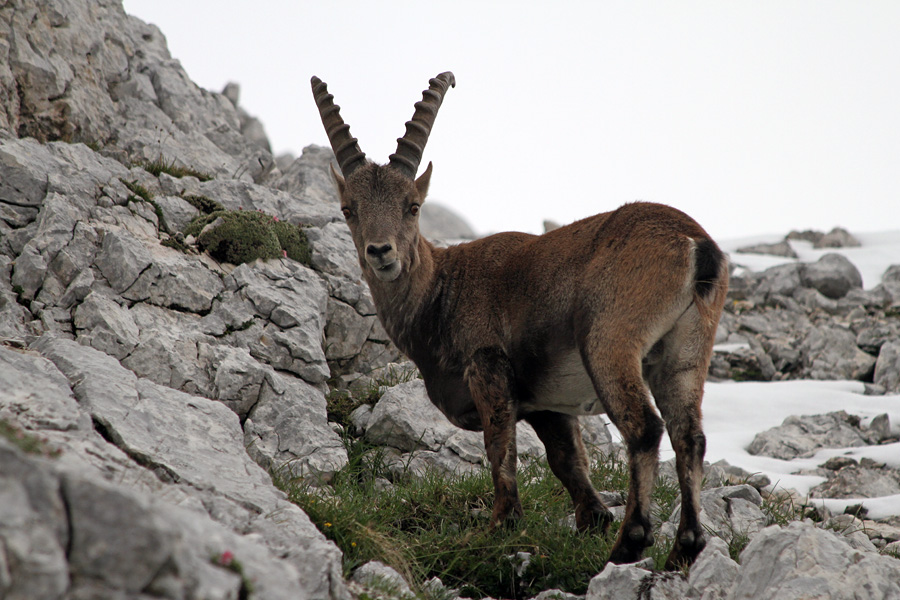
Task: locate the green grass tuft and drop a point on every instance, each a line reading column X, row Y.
column 141, row 194
column 160, row 165
column 435, row 526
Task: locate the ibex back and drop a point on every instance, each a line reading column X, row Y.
column 589, row 318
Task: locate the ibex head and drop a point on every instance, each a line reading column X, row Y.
column 381, row 202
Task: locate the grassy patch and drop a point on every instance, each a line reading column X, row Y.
column 202, row 203
column 439, row 527
column 138, row 191
column 160, row 165
column 27, row 442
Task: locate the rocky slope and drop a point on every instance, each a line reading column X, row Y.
column 147, row 389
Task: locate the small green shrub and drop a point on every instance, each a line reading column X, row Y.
column 244, row 236
column 293, row 241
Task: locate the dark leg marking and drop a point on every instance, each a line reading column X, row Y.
column 561, row 436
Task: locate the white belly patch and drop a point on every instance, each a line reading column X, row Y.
column 566, row 389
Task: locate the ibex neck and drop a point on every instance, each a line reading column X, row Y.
column 401, row 302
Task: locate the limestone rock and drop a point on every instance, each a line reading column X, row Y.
column 406, row 419
column 287, row 429
column 803, row 561
column 833, row 275
column 887, row 366
column 724, row 512
column 379, row 577
column 801, row 436
column 836, row 238
column 713, row 574
column 780, row 279
column 618, row 581
column 438, row 222
column 104, row 325
column 782, row 248
column 830, row 352
column 855, row 481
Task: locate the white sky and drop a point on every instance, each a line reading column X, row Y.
column 753, row 117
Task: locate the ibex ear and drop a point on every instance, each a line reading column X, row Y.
column 422, row 183
column 338, row 180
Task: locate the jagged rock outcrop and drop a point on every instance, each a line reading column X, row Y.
column 810, row 321
column 152, row 478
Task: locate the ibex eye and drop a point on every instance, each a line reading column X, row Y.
column 414, row 209
column 346, row 212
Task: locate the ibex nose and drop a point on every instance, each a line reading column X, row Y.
column 377, row 251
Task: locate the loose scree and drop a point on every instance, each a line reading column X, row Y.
column 608, row 314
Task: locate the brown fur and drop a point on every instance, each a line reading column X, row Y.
column 626, row 301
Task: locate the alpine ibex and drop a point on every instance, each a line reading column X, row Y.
column 589, row 318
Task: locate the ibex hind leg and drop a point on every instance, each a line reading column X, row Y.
column 489, row 378
column 616, row 374
column 561, row 436
column 676, row 382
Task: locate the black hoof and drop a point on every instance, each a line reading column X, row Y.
column 630, row 546
column 593, row 519
column 688, row 545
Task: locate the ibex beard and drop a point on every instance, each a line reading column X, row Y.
column 612, row 314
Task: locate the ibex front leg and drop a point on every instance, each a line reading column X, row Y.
column 489, row 376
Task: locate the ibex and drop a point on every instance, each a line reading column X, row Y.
column 592, row 317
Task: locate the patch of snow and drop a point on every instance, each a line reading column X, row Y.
column 733, row 413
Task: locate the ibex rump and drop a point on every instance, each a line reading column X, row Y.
column 589, row 318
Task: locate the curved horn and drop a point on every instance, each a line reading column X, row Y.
column 346, row 150
column 412, row 144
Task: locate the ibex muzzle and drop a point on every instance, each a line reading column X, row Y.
column 615, row 313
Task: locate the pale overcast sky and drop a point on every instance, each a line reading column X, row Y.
column 753, row 117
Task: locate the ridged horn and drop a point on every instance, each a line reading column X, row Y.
column 345, row 146
column 411, row 146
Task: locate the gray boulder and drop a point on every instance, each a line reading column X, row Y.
column 855, row 481
column 782, row 248
column 438, row 222
column 830, row 352
column 802, row 561
column 287, row 430
column 619, row 581
column 406, row 419
column 380, row 578
column 713, row 574
column 833, row 275
column 800, row 436
column 105, row 325
column 837, row 238
column 887, row 366
column 780, row 280
column 725, row 512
